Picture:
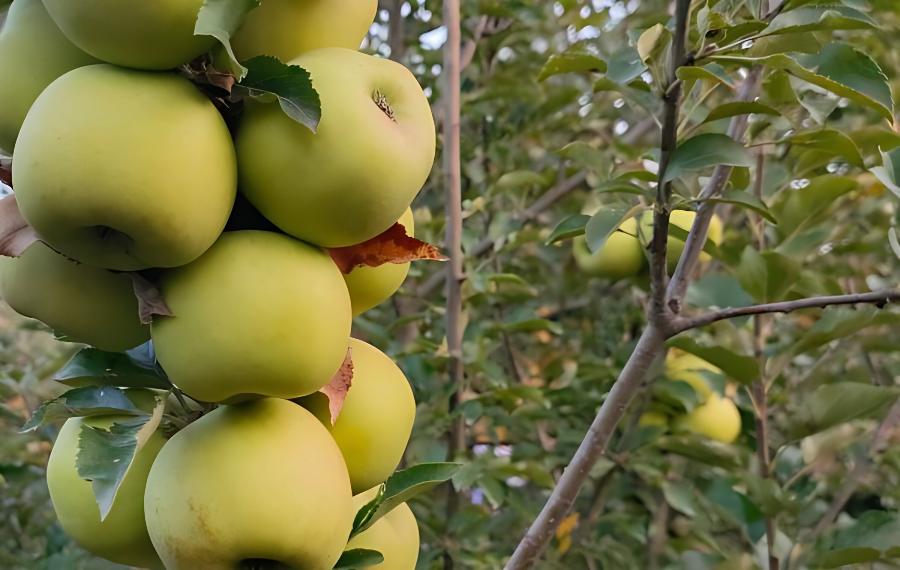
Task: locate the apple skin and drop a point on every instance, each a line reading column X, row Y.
column 261, row 480
column 33, row 53
column 718, row 418
column 620, row 257
column 356, row 176
column 395, row 535
column 125, row 169
column 122, row 537
column 689, row 368
column 259, row 314
column 683, row 219
column 80, row 303
column 144, row 35
column 371, row 286
column 288, row 28
column 376, row 421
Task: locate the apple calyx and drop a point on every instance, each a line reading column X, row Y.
column 382, row 102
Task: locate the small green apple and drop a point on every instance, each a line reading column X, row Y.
column 33, row 53
column 256, row 483
column 371, row 286
column 79, row 302
column 259, row 314
column 288, row 28
column 143, row 35
column 125, row 169
column 683, row 219
column 354, row 178
column 376, row 421
column 121, row 537
column 718, row 418
column 395, row 535
column 621, row 256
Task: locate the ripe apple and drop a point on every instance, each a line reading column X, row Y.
column 33, row 53
column 121, row 537
column 395, row 535
column 287, row 28
column 125, row 169
column 354, row 178
column 683, row 219
column 143, row 35
column 371, row 286
column 256, row 483
column 620, row 257
column 259, row 314
column 689, row 368
column 376, row 421
column 718, row 418
column 79, row 302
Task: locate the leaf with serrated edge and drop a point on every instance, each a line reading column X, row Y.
column 221, row 19
column 704, row 151
column 94, row 367
column 572, row 226
column 124, row 438
column 401, row 487
column 290, row 84
column 83, row 402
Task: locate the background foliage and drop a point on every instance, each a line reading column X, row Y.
column 543, row 342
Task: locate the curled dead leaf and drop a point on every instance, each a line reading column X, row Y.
column 391, row 246
column 150, row 299
column 15, row 233
column 6, row 170
column 336, row 390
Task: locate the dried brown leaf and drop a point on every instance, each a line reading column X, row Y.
column 336, row 390
column 6, row 170
column 15, row 233
column 150, row 299
column 391, row 246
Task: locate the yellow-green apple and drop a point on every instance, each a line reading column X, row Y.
column 395, row 535
column 125, row 169
column 689, row 368
column 376, row 420
column 144, row 35
column 247, row 485
column 259, row 314
column 653, row 419
column 354, row 178
column 287, row 28
column 122, row 536
column 33, row 52
column 621, row 255
column 683, row 219
column 79, row 302
column 718, row 418
column 371, row 286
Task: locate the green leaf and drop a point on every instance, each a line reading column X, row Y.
column 531, row 325
column 105, row 455
column 605, row 222
column 803, row 42
column 874, row 529
column 718, row 290
column 520, row 178
column 833, row 404
column 653, row 42
column 830, row 141
column 701, row 449
column 83, row 402
column 796, row 208
column 712, row 72
column 739, row 108
column 401, row 487
column 767, row 275
column 586, row 156
column 680, row 496
column 703, row 151
column 745, row 200
column 290, row 84
column 92, row 367
column 835, row 323
column 819, row 18
column 744, row 369
column 358, row 558
column 847, row 556
column 572, row 62
column 678, row 395
column 220, row 19
column 571, row 227
column 888, row 172
column 625, row 65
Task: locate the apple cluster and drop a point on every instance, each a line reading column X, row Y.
column 128, row 173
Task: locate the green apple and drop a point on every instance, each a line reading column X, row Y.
column 144, row 35
column 259, row 314
column 654, row 419
column 79, row 302
column 33, row 53
column 376, row 421
column 354, row 178
column 121, row 537
column 395, row 535
column 683, row 219
column 371, row 286
column 621, row 256
column 252, row 485
column 718, row 418
column 287, row 28
column 125, row 169
column 689, row 368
